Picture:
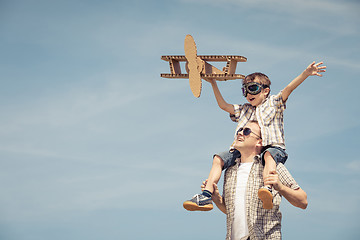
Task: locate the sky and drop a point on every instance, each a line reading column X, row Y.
column 94, row 144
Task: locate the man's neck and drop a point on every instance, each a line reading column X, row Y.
column 247, row 157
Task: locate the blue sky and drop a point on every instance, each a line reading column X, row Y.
column 95, row 145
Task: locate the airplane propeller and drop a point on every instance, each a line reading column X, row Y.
column 193, row 65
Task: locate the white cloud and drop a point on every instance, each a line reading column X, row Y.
column 353, row 166
column 327, row 7
column 305, row 13
column 82, row 101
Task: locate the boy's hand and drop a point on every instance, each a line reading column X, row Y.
column 315, row 69
column 312, row 70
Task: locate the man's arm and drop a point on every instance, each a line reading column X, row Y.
column 216, row 197
column 311, row 70
column 297, row 197
column 220, row 100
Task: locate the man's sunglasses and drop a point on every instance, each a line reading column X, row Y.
column 246, row 132
column 253, row 88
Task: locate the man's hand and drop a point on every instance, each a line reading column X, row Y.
column 273, row 179
column 296, row 197
column 216, row 197
column 315, row 69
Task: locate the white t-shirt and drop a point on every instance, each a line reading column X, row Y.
column 239, row 224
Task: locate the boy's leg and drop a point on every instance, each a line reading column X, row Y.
column 203, row 201
column 270, row 166
column 265, row 193
column 271, row 157
column 215, row 173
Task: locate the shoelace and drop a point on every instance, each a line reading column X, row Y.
column 197, row 198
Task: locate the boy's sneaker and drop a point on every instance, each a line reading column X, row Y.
column 265, row 195
column 199, row 202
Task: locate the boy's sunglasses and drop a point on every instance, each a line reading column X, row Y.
column 246, row 132
column 253, row 88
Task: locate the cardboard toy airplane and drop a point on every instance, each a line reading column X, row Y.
column 198, row 67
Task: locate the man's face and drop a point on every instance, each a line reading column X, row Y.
column 249, row 142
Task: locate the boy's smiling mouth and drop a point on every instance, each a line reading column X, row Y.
column 251, row 99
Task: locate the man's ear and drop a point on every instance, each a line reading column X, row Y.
column 259, row 143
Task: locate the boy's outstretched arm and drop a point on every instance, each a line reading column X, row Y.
column 311, row 70
column 220, row 100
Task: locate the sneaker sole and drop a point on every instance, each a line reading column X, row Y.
column 266, row 197
column 191, row 206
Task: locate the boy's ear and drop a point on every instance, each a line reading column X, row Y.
column 266, row 91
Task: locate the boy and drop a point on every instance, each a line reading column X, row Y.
column 268, row 111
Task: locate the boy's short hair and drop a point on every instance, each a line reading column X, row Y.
column 262, row 77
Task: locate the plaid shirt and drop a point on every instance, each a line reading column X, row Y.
column 269, row 115
column 262, row 223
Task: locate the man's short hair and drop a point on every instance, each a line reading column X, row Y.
column 254, row 121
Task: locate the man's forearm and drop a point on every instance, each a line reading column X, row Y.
column 219, row 202
column 297, row 198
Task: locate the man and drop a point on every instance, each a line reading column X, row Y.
column 246, row 218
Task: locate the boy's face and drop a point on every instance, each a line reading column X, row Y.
column 256, row 100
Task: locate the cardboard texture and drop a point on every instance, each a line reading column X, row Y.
column 197, row 66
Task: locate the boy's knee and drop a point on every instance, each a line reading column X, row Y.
column 276, row 155
column 268, row 156
column 218, row 161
